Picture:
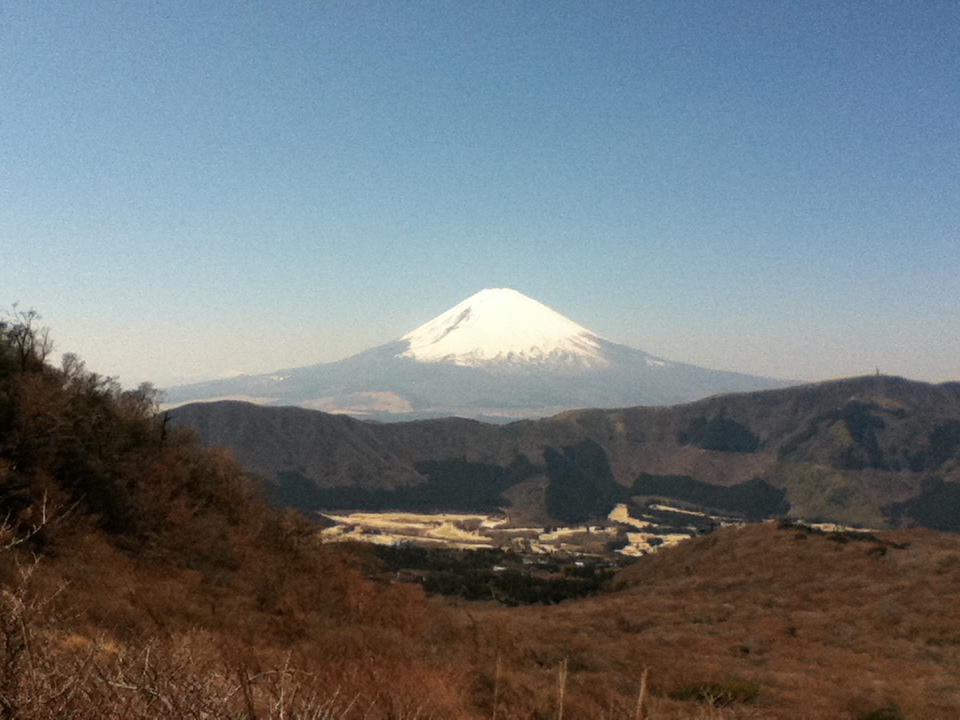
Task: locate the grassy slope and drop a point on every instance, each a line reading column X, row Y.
column 141, row 577
column 826, row 626
column 825, row 629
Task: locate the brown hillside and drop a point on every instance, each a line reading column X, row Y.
column 141, row 576
column 822, row 626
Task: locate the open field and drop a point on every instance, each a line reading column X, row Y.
column 616, row 536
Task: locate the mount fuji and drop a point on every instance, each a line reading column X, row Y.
column 498, row 355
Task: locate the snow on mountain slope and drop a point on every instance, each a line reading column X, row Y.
column 503, row 326
column 498, row 354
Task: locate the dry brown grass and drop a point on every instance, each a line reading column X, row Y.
column 141, row 577
column 826, row 628
column 90, row 632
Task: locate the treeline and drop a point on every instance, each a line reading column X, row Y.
column 495, row 574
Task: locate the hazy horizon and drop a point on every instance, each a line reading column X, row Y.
column 188, row 192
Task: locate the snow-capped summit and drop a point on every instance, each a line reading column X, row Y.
column 503, row 326
column 498, row 354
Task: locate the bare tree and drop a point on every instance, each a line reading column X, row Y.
column 22, row 337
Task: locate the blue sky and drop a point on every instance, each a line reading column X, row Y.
column 191, row 189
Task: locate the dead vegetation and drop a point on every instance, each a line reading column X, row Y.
column 142, row 577
column 814, row 625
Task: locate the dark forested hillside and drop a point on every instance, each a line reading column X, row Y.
column 864, row 451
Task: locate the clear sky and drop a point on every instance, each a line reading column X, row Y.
column 191, row 189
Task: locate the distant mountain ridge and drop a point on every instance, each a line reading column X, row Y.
column 867, row 451
column 498, row 355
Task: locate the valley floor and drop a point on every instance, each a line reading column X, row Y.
column 658, row 526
